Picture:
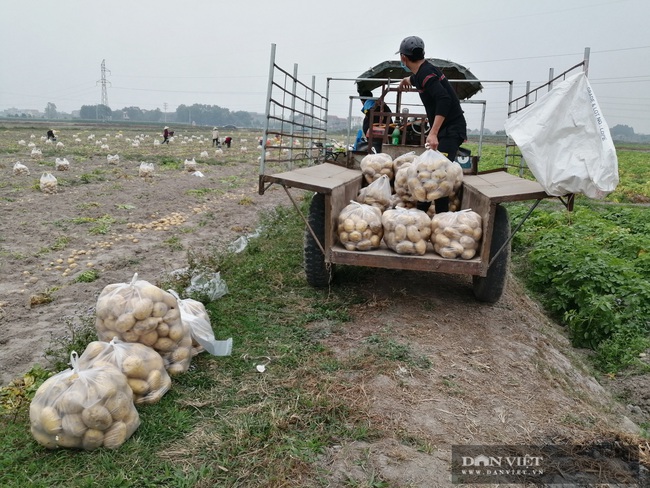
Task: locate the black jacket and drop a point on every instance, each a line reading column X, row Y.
column 439, row 98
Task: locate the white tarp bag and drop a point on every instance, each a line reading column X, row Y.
column 565, row 141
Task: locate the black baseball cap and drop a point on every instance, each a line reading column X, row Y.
column 410, row 44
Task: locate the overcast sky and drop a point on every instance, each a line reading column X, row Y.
column 217, row 53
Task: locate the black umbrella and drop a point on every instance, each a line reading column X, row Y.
column 394, row 71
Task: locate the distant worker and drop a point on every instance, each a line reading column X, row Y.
column 215, row 137
column 165, row 135
column 50, row 135
column 378, row 123
column 227, row 141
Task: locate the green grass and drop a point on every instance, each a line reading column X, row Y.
column 223, row 423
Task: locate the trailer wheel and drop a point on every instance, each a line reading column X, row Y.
column 490, row 288
column 319, row 274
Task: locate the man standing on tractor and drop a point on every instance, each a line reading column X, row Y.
column 448, row 128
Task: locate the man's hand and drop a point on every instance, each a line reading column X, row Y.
column 432, row 141
column 405, row 84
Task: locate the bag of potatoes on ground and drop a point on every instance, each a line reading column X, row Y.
column 406, row 230
column 456, row 234
column 432, row 176
column 84, row 409
column 376, row 193
column 360, row 227
column 194, row 315
column 20, row 169
column 373, row 166
column 142, row 312
column 48, row 183
column 143, row 367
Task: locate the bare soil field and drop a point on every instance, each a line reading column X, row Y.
column 501, row 374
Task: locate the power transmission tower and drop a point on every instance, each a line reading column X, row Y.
column 165, row 109
column 104, row 82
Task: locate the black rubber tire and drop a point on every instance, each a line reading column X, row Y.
column 490, row 288
column 319, row 274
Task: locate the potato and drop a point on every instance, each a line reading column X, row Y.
column 148, row 324
column 176, row 369
column 97, row 417
column 180, row 354
column 164, row 344
column 74, row 425
column 71, row 401
column 355, row 236
column 133, row 367
column 149, row 338
column 119, row 405
column 44, row 439
column 172, row 315
column 468, row 253
column 169, row 300
column 124, row 322
column 92, row 439
column 130, row 336
column 420, row 247
column 404, row 247
column 139, row 387
column 163, row 329
column 115, row 436
column 155, row 379
column 50, row 420
column 142, row 308
column 152, row 293
column 177, row 332
column 67, row 440
column 159, row 309
column 93, row 349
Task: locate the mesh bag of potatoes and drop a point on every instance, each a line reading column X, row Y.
column 360, row 227
column 145, row 170
column 194, row 315
column 143, row 367
column 432, row 176
column 409, row 157
column 406, row 230
column 84, row 409
column 402, row 189
column 48, row 183
column 456, row 234
column 20, row 169
column 377, row 193
column 190, row 164
column 373, row 166
column 142, row 312
column 61, row 164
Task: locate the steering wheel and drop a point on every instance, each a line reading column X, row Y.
column 417, row 126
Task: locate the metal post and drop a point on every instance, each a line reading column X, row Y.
column 551, row 75
column 269, row 92
column 586, row 61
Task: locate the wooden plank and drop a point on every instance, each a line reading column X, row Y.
column 321, row 178
column 501, row 186
column 386, row 258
